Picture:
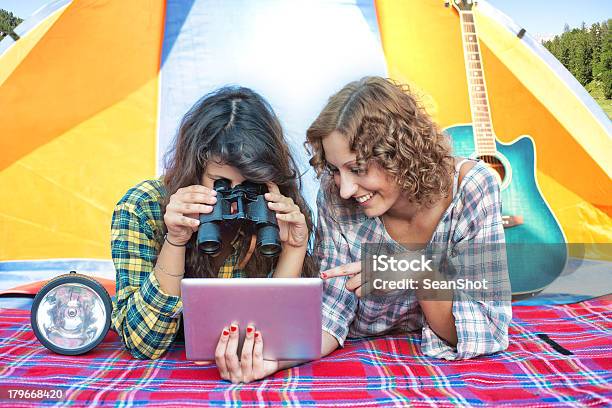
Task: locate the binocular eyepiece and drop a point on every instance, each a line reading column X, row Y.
column 251, row 210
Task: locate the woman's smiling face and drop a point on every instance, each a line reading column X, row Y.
column 372, row 188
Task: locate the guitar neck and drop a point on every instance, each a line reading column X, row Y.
column 477, row 88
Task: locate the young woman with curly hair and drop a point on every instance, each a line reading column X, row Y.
column 232, row 134
column 388, row 176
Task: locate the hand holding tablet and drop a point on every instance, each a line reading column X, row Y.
column 250, row 365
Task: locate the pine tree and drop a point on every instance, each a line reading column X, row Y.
column 8, row 22
column 602, row 68
column 586, row 53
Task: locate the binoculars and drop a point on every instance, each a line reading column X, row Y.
column 251, row 210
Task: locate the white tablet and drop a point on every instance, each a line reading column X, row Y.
column 287, row 312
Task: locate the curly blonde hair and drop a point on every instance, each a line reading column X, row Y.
column 383, row 121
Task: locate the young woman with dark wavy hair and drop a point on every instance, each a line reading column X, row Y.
column 230, row 134
column 388, row 176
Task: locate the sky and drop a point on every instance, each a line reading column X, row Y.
column 541, row 18
column 22, row 8
column 546, row 18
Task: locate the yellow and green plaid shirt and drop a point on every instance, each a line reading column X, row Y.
column 146, row 319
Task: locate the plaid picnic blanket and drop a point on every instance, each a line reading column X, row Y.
column 558, row 356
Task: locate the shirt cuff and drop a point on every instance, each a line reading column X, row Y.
column 467, row 332
column 159, row 301
column 337, row 329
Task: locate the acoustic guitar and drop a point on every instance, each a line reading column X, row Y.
column 535, row 244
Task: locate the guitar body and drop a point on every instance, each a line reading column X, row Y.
column 536, row 248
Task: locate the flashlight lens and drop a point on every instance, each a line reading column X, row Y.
column 71, row 316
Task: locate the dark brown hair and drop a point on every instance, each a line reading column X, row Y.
column 237, row 127
column 383, row 122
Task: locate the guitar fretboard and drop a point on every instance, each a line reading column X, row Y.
column 477, row 88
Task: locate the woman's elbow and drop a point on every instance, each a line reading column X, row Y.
column 137, row 346
column 143, row 351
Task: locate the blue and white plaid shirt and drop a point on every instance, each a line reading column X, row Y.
column 473, row 218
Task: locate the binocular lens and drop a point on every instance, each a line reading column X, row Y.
column 210, row 247
column 209, row 238
column 268, row 242
column 269, row 250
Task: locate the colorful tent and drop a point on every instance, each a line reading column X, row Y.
column 91, row 95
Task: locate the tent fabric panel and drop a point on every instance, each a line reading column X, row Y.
column 77, row 136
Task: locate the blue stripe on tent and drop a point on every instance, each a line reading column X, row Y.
column 368, row 9
column 23, row 303
column 90, row 265
column 174, row 21
column 16, row 273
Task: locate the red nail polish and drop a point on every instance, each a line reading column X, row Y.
column 233, row 328
column 256, row 334
column 225, row 332
column 249, row 329
column 324, row 275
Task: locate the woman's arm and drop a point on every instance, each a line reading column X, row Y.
column 290, row 262
column 170, row 268
column 148, row 306
column 145, row 316
column 331, row 248
column 439, row 316
column 480, row 317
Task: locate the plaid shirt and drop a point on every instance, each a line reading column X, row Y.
column 473, row 217
column 146, row 319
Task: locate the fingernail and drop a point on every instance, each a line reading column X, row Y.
column 233, row 327
column 249, row 329
column 324, row 275
column 256, row 334
column 225, row 332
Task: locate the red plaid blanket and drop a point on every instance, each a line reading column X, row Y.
column 558, row 356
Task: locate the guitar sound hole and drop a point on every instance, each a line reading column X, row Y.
column 495, row 164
